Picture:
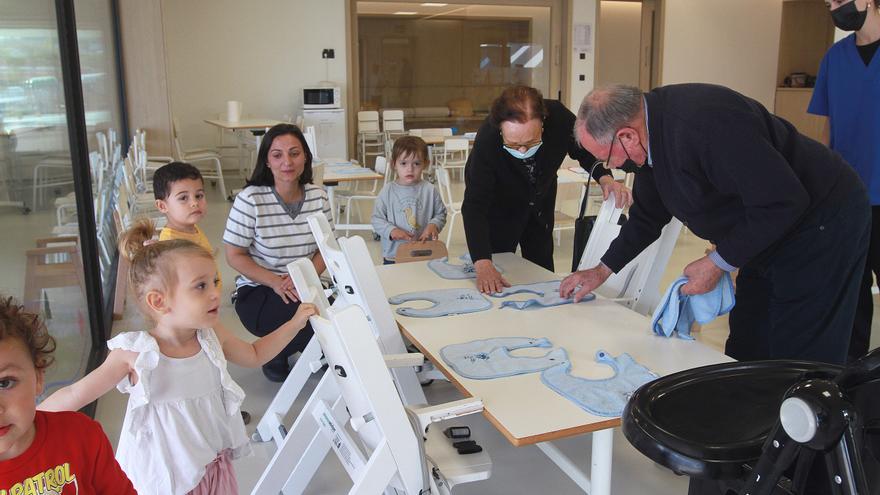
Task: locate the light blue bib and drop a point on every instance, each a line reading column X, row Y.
column 446, row 270
column 548, row 293
column 606, row 397
column 446, row 302
column 490, row 358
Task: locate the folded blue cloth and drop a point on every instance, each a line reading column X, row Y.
column 677, row 312
column 605, row 397
column 491, row 358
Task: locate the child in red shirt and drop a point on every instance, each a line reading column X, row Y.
column 45, row 452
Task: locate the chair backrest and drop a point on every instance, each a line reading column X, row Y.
column 351, row 267
column 392, row 121
column 444, row 186
column 382, row 166
column 456, row 144
column 432, row 131
column 318, row 173
column 377, row 412
column 637, row 284
column 311, row 142
column 420, row 251
column 368, row 121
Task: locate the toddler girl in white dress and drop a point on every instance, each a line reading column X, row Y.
column 183, row 424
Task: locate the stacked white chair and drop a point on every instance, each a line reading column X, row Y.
column 371, row 139
column 392, row 124
column 197, row 157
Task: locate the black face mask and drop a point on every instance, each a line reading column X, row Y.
column 628, row 165
column 848, row 17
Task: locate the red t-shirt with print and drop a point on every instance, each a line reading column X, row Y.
column 70, row 455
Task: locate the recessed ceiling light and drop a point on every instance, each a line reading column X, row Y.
column 432, row 4
column 403, row 12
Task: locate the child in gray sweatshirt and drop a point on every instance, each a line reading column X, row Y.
column 408, row 209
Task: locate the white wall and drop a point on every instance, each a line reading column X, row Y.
column 260, row 53
column 732, row 43
column 619, row 36
column 583, row 12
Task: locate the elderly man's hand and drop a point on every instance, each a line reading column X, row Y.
column 622, row 195
column 703, row 275
column 489, row 280
column 581, row 283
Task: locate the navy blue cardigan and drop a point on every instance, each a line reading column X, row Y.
column 735, row 174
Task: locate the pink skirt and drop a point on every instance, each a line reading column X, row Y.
column 219, row 477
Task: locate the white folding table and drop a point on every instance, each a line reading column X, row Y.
column 522, row 408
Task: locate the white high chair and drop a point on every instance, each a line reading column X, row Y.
column 402, row 449
column 351, row 268
column 636, row 286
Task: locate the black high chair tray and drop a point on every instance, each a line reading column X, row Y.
column 708, row 422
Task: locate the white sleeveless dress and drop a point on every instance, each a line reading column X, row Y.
column 181, row 414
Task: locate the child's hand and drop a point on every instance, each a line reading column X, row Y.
column 303, row 313
column 400, row 235
column 430, row 233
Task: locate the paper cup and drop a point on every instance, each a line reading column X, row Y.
column 233, row 111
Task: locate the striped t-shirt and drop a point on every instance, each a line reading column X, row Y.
column 260, row 223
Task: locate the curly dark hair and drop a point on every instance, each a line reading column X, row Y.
column 18, row 323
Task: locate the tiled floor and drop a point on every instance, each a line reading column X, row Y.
column 516, row 470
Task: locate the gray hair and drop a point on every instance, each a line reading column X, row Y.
column 605, row 110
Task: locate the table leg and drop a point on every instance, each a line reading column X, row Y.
column 331, row 198
column 600, row 468
column 599, row 480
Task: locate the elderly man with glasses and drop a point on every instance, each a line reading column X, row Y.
column 786, row 211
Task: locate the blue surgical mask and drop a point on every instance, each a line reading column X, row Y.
column 523, row 155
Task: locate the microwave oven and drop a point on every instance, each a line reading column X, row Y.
column 316, row 98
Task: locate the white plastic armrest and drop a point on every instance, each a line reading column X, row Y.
column 314, row 366
column 406, row 360
column 159, row 158
column 449, row 410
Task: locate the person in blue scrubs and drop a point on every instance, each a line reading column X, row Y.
column 848, row 93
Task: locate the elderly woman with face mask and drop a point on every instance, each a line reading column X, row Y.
column 510, row 181
column 848, row 93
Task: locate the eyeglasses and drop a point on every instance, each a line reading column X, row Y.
column 524, row 146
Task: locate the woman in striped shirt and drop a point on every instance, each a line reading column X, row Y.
column 266, row 230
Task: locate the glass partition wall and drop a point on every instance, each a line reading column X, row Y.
column 49, row 267
column 443, row 64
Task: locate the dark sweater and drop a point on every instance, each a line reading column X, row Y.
column 499, row 199
column 735, row 174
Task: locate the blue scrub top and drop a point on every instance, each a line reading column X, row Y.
column 848, row 93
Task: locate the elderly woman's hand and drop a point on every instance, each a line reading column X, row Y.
column 284, row 288
column 622, row 194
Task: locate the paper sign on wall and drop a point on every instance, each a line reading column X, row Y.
column 582, row 41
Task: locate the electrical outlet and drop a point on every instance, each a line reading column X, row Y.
column 328, row 53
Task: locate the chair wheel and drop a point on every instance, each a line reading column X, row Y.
column 426, row 382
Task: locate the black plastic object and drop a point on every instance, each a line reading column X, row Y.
column 457, row 432
column 709, row 422
column 469, row 449
column 463, row 443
